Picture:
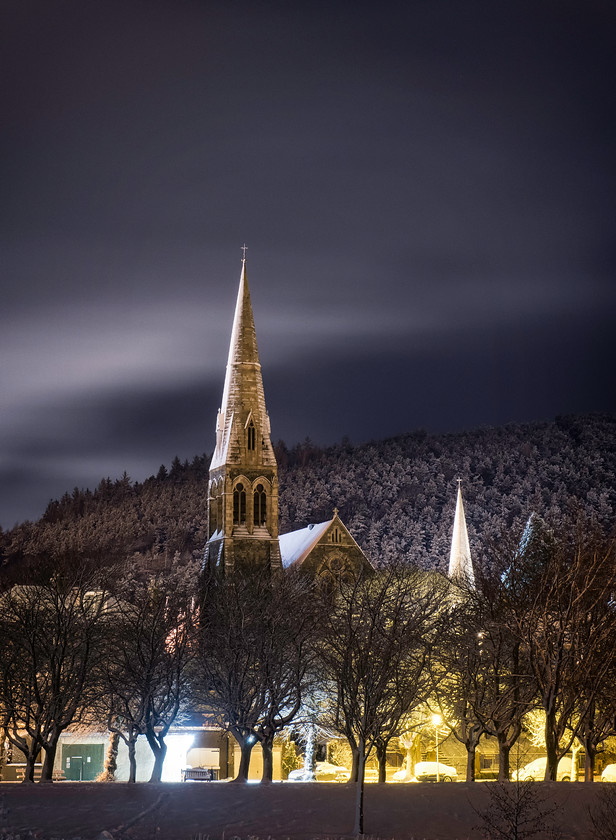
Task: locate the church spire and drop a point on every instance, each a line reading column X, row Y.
column 460, row 563
column 243, row 487
column 243, row 389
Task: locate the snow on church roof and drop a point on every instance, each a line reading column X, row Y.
column 295, row 545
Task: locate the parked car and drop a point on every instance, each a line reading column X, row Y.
column 535, row 771
column 324, row 771
column 609, row 774
column 403, row 775
column 327, row 772
column 301, row 775
column 427, row 771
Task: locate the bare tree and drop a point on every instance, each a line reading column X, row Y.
column 460, row 688
column 18, row 725
column 254, row 656
column 599, row 723
column 145, row 670
column 124, row 680
column 509, row 688
column 518, row 811
column 567, row 626
column 378, row 631
column 51, row 644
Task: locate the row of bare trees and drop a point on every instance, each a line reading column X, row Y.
column 78, row 650
column 539, row 634
column 263, row 653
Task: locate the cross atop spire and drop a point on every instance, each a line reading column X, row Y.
column 243, row 249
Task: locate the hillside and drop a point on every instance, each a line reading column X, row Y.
column 397, row 496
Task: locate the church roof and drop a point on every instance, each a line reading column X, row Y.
column 296, row 545
column 460, row 563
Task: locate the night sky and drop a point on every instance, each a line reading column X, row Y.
column 426, row 190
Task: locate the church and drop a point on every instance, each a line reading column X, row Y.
column 243, row 497
column 242, row 521
column 243, row 480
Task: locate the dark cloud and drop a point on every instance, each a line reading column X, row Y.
column 426, row 189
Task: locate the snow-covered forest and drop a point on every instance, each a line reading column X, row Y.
column 494, row 654
column 397, row 496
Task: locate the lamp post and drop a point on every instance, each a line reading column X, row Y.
column 436, row 720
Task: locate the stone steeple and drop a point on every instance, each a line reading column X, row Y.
column 460, row 563
column 243, row 487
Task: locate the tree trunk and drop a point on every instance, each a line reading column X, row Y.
column 30, row 752
column 588, row 742
column 409, row 741
column 472, row 740
column 245, row 753
column 381, row 755
column 49, row 760
column 159, row 748
column 551, row 748
column 504, row 749
column 132, row 760
column 29, row 770
column 470, row 761
column 311, row 737
column 111, row 758
column 267, row 748
column 575, row 748
column 358, row 828
column 589, row 766
column 354, row 763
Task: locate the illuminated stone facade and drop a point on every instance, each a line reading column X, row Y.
column 326, row 549
column 243, row 486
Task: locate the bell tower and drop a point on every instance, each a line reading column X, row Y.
column 243, row 485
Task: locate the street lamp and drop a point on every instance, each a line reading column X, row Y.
column 436, row 720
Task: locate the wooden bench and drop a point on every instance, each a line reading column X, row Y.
column 20, row 772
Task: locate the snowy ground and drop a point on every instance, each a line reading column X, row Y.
column 209, row 811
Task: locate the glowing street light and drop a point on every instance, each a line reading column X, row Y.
column 436, row 721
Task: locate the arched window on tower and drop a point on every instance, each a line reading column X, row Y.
column 239, row 505
column 252, row 437
column 335, row 536
column 260, row 505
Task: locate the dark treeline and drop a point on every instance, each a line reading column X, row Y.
column 397, row 496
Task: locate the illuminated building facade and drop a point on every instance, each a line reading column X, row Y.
column 243, row 482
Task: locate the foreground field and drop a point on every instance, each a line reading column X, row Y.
column 295, row 811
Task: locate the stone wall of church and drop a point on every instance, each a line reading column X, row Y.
column 251, row 553
column 327, row 558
